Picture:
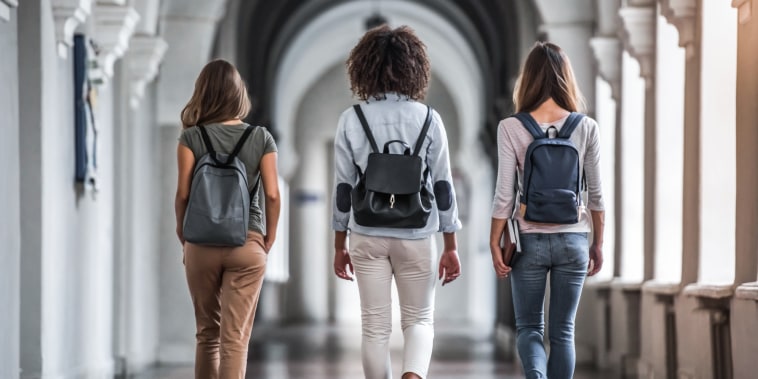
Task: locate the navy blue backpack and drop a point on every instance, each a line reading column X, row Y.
column 552, row 176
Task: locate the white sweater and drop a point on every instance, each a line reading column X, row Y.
column 512, row 142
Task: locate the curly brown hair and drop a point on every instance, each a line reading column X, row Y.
column 389, row 60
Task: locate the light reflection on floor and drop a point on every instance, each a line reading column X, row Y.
column 326, row 352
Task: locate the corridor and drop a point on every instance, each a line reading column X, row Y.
column 92, row 284
column 328, row 352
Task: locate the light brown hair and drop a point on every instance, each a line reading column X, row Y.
column 389, row 60
column 547, row 74
column 220, row 95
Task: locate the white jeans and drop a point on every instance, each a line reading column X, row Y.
column 412, row 262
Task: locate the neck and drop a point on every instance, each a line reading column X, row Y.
column 233, row 121
column 549, row 111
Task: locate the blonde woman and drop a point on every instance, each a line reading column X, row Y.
column 225, row 282
column 547, row 97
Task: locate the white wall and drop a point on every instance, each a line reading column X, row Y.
column 67, row 233
column 10, row 233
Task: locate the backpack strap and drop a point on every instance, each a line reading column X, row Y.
column 530, row 124
column 207, row 142
column 571, row 123
column 424, row 130
column 240, row 143
column 366, row 129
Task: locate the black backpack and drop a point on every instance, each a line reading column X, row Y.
column 552, row 176
column 392, row 192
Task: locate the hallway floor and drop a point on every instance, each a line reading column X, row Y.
column 309, row 352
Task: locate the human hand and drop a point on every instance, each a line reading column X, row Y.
column 450, row 266
column 180, row 234
column 342, row 260
column 268, row 241
column 501, row 269
column 596, row 259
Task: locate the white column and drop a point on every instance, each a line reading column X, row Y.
column 744, row 311
column 310, row 220
column 747, row 154
column 68, row 14
column 5, row 9
column 669, row 143
column 10, row 230
column 114, row 26
column 639, row 40
column 145, row 56
column 683, row 14
column 717, row 142
column 607, row 49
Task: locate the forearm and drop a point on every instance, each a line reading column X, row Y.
column 450, row 242
column 180, row 207
column 340, row 240
column 598, row 226
column 273, row 208
column 496, row 232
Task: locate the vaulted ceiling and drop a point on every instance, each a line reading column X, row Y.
column 497, row 30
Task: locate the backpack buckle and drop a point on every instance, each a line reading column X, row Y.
column 392, row 200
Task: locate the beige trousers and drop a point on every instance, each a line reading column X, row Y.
column 224, row 283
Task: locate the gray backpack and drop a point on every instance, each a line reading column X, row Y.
column 218, row 209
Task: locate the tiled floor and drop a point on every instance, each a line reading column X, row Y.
column 334, row 353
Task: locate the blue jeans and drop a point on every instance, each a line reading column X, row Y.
column 565, row 257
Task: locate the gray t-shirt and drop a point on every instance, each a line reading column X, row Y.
column 224, row 138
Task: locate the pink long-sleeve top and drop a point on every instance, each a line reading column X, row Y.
column 512, row 142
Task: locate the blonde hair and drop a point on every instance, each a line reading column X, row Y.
column 220, row 95
column 547, row 74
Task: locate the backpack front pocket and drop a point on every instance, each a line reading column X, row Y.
column 555, row 206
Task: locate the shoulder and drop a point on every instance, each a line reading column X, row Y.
column 589, row 125
column 189, row 134
column 511, row 125
column 192, row 130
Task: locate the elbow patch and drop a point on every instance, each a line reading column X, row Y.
column 343, row 197
column 443, row 191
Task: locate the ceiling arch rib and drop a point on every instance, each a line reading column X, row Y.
column 327, row 40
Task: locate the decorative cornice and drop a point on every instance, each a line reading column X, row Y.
column 5, row 9
column 639, row 36
column 681, row 14
column 114, row 26
column 745, row 10
column 68, row 14
column 607, row 51
column 145, row 56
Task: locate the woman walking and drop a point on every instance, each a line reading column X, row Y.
column 225, row 281
column 389, row 71
column 554, row 241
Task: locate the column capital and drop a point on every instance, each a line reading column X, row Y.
column 607, row 51
column 745, row 10
column 5, row 9
column 638, row 35
column 68, row 14
column 114, row 26
column 145, row 56
column 681, row 14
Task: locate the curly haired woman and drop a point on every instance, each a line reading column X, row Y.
column 389, row 71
